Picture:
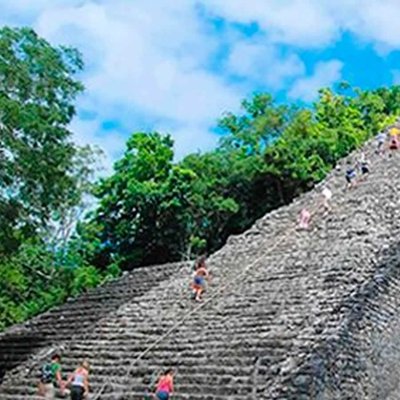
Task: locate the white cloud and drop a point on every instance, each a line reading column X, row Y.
column 23, row 12
column 112, row 144
column 377, row 21
column 316, row 23
column 150, row 58
column 148, row 62
column 297, row 22
column 145, row 59
column 190, row 139
column 262, row 63
column 325, row 74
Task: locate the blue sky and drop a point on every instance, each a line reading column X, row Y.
column 177, row 65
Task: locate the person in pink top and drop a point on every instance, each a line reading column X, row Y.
column 79, row 381
column 165, row 385
column 305, row 217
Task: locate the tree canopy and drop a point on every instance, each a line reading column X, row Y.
column 37, row 90
column 153, row 210
column 44, row 176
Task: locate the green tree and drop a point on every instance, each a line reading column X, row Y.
column 154, row 210
column 33, row 280
column 44, row 178
column 136, row 203
column 37, row 90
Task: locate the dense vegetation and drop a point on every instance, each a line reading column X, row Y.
column 151, row 209
column 43, row 177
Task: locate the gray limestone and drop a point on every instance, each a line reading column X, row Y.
column 289, row 314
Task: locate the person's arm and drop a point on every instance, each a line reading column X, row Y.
column 59, row 380
column 205, row 272
column 86, row 384
column 208, row 275
column 70, row 379
column 157, row 382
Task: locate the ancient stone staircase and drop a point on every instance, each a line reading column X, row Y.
column 290, row 314
column 77, row 317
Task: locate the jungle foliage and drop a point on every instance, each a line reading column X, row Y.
column 153, row 209
column 44, row 177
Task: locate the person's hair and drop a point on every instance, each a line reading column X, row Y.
column 56, row 357
column 168, row 371
column 85, row 364
column 201, row 262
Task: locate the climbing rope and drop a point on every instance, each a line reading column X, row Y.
column 220, row 290
column 194, row 310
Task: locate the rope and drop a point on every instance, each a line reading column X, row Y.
column 201, row 305
column 313, row 212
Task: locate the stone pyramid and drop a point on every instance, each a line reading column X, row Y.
column 289, row 314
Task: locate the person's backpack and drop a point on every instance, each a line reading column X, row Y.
column 46, row 374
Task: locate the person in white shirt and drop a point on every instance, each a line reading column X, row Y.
column 327, row 196
column 380, row 142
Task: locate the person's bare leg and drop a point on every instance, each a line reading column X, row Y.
column 199, row 293
column 50, row 392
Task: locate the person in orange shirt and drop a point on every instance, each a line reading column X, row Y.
column 199, row 279
column 165, row 385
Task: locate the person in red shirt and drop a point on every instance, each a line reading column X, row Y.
column 394, row 143
column 165, row 385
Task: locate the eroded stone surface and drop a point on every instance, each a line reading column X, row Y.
column 303, row 315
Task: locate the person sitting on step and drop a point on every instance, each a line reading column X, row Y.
column 199, row 279
column 165, row 385
column 305, row 217
column 79, row 382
